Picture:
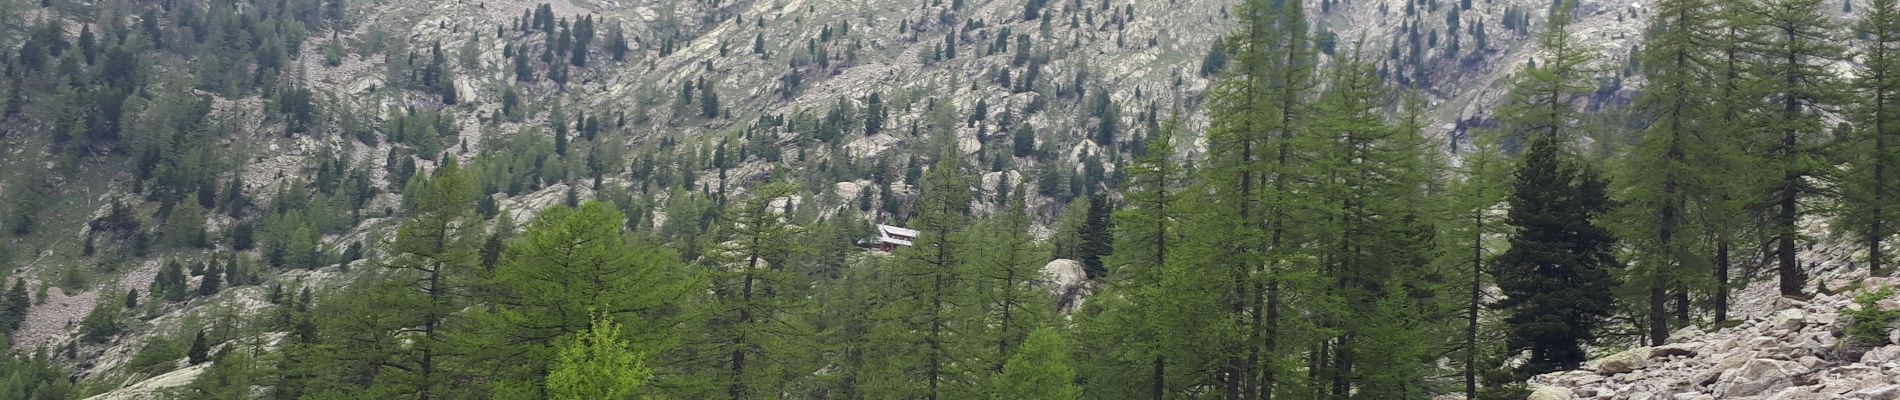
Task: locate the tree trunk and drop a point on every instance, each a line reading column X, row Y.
column 1471, row 309
column 1721, row 280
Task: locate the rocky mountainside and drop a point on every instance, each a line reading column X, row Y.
column 828, row 93
column 1778, row 348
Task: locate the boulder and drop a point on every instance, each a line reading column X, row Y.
column 1626, row 361
column 1714, row 372
column 1686, row 334
column 1757, row 377
column 1541, row 392
column 1067, row 281
column 1672, row 350
column 1884, row 392
column 1789, row 320
column 1881, row 355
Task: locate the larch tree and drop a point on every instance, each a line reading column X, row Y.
column 1376, row 240
column 1472, row 205
column 1007, row 278
column 1041, row 371
column 570, row 264
column 596, row 363
column 434, row 249
column 753, row 287
column 1131, row 325
column 1797, row 85
column 1667, row 180
column 1870, row 180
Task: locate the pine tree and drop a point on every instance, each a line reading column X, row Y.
column 14, row 306
column 1557, row 275
column 200, row 350
column 1667, row 178
column 1870, row 179
column 213, row 280
column 597, row 363
column 1041, row 371
column 432, row 249
column 754, row 290
column 1799, row 45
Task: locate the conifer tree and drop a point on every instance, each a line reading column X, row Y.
column 1007, row 279
column 597, row 363
column 1377, row 239
column 1668, row 181
column 929, row 277
column 1541, row 93
column 433, row 249
column 1557, row 275
column 1133, row 321
column 1793, row 59
column 1735, row 102
column 1471, row 204
column 1041, row 371
column 569, row 264
column 14, row 306
column 755, row 292
column 1870, row 180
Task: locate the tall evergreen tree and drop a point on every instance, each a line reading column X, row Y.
column 1799, row 44
column 570, row 264
column 754, row 291
column 1870, row 180
column 1557, row 275
column 1041, row 371
column 434, row 247
column 1668, row 183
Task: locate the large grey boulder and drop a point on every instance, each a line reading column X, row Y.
column 1541, row 392
column 1789, row 320
column 1626, row 361
column 1068, row 283
column 1885, row 392
column 1757, row 377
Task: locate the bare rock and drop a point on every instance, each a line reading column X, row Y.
column 1068, row 282
column 1673, row 350
column 1883, row 392
column 1541, row 392
column 1881, row 355
column 1789, row 320
column 1756, row 377
column 1624, row 362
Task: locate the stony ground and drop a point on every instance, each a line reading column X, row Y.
column 1783, row 348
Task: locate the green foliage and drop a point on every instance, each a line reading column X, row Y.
column 569, row 264
column 1870, row 322
column 596, row 364
column 102, row 323
column 1872, row 153
column 1557, row 274
column 1040, row 371
column 13, row 307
